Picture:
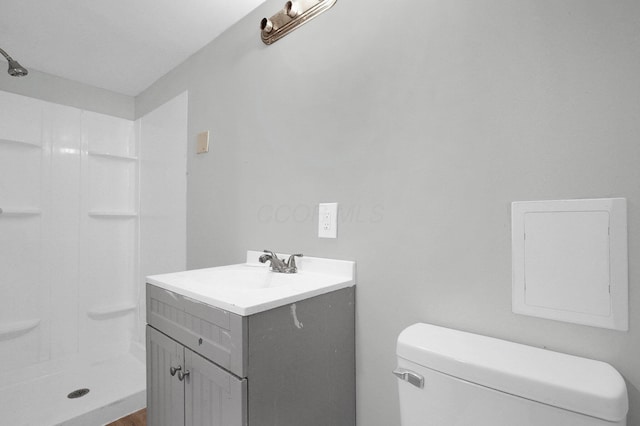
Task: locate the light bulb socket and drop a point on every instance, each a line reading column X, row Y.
column 266, row 25
column 291, row 9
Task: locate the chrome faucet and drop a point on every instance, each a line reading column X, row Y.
column 279, row 265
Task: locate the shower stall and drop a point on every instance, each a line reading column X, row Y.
column 89, row 205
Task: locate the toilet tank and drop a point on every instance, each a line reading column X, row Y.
column 453, row 378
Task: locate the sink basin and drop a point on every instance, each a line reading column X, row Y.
column 251, row 287
column 242, row 278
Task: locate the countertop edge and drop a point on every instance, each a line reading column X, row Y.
column 255, row 309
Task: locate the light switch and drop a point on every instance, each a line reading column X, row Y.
column 202, row 145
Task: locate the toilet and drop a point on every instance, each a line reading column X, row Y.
column 453, row 378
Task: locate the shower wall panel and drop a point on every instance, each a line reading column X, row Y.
column 109, row 244
column 68, row 233
column 23, row 305
column 61, row 239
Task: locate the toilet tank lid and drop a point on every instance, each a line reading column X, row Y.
column 586, row 386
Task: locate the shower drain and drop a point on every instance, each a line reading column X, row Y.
column 78, row 393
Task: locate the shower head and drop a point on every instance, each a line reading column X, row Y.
column 15, row 69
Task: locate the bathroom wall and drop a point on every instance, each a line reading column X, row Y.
column 59, row 90
column 163, row 195
column 424, row 120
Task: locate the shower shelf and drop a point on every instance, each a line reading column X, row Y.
column 112, row 311
column 113, row 156
column 21, row 143
column 20, row 212
column 111, row 214
column 14, row 329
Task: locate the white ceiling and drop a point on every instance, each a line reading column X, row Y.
column 119, row 45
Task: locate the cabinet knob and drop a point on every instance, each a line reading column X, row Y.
column 182, row 375
column 174, row 370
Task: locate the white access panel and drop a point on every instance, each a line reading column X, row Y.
column 570, row 261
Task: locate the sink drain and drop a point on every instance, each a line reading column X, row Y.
column 78, row 393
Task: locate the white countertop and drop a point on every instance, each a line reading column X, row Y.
column 250, row 287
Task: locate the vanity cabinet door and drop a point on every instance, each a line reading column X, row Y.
column 165, row 392
column 213, row 396
column 218, row 335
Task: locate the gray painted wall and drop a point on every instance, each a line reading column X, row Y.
column 67, row 92
column 424, row 120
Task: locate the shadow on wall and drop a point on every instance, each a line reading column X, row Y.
column 633, row 418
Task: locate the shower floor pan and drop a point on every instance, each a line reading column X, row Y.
column 117, row 387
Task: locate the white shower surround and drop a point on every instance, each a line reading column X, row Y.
column 70, row 252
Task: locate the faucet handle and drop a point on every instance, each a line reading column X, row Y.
column 291, row 262
column 273, row 255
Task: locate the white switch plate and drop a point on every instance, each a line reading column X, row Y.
column 203, row 143
column 328, row 220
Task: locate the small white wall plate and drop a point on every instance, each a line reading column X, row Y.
column 328, row 220
column 570, row 261
column 202, row 144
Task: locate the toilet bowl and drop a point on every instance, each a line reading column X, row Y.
column 453, row 378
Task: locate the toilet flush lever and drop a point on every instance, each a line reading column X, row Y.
column 409, row 376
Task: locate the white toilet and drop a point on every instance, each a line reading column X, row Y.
column 452, row 378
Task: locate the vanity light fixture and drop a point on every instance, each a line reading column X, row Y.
column 294, row 14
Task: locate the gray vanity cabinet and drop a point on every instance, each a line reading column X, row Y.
column 198, row 393
column 213, row 397
column 292, row 365
column 165, row 406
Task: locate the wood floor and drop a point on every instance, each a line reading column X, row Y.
column 139, row 418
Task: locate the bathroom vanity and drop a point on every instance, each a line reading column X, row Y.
column 242, row 345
